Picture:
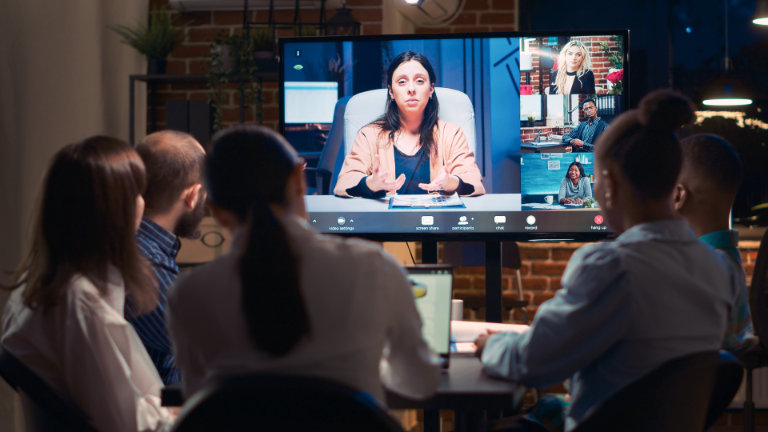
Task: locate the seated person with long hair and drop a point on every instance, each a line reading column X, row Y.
column 575, row 187
column 573, row 74
column 287, row 299
column 409, row 150
column 65, row 318
column 654, row 294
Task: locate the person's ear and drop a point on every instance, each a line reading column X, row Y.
column 608, row 188
column 298, row 182
column 192, row 195
column 679, row 197
column 295, row 189
column 389, row 91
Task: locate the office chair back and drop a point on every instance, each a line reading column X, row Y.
column 727, row 382
column 757, row 357
column 44, row 408
column 674, row 397
column 281, row 402
column 364, row 108
column 321, row 177
column 758, row 297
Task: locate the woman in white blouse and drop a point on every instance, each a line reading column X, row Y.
column 286, row 299
column 65, row 319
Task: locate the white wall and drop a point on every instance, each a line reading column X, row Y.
column 63, row 77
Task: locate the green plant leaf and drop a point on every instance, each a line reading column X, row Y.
column 157, row 39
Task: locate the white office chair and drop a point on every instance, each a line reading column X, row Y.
column 363, row 108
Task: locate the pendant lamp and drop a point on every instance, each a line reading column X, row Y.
column 761, row 13
column 726, row 90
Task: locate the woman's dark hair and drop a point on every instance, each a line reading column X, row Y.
column 579, row 166
column 86, row 222
column 247, row 169
column 643, row 142
column 390, row 121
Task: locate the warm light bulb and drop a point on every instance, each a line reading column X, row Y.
column 761, row 21
column 727, row 102
column 412, row 2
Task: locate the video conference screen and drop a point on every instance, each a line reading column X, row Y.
column 453, row 135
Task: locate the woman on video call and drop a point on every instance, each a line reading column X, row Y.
column 409, row 150
column 573, row 74
column 575, row 187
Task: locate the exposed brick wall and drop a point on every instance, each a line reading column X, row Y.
column 542, row 268
column 481, row 16
column 190, row 58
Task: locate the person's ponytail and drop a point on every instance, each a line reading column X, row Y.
column 274, row 309
column 247, row 172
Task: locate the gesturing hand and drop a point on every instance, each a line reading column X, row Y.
column 481, row 340
column 377, row 181
column 444, row 181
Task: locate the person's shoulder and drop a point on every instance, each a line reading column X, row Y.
column 200, row 278
column 84, row 302
column 359, row 249
column 372, row 130
column 597, row 253
column 371, row 133
column 446, row 128
column 596, row 263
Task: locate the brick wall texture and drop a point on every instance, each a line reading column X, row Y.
column 190, row 57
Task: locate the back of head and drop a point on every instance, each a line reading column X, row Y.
column 247, row 171
column 174, row 161
column 712, row 165
column 643, row 143
column 247, row 165
column 87, row 221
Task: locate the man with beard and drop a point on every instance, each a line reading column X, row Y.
column 175, row 205
column 582, row 138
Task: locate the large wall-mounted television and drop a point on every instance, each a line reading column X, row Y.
column 537, row 102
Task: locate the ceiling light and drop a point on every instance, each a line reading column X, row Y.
column 726, row 90
column 761, row 13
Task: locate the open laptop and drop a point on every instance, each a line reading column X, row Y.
column 432, row 287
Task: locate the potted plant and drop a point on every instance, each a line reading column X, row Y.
column 233, row 65
column 155, row 40
column 615, row 75
column 263, row 40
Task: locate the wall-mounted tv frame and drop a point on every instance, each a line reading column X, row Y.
column 522, row 128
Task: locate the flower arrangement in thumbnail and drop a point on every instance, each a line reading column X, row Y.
column 615, row 77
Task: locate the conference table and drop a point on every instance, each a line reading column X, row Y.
column 464, row 389
column 468, row 392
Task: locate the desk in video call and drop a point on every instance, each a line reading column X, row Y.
column 487, row 202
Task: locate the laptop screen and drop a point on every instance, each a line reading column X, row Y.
column 432, row 286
